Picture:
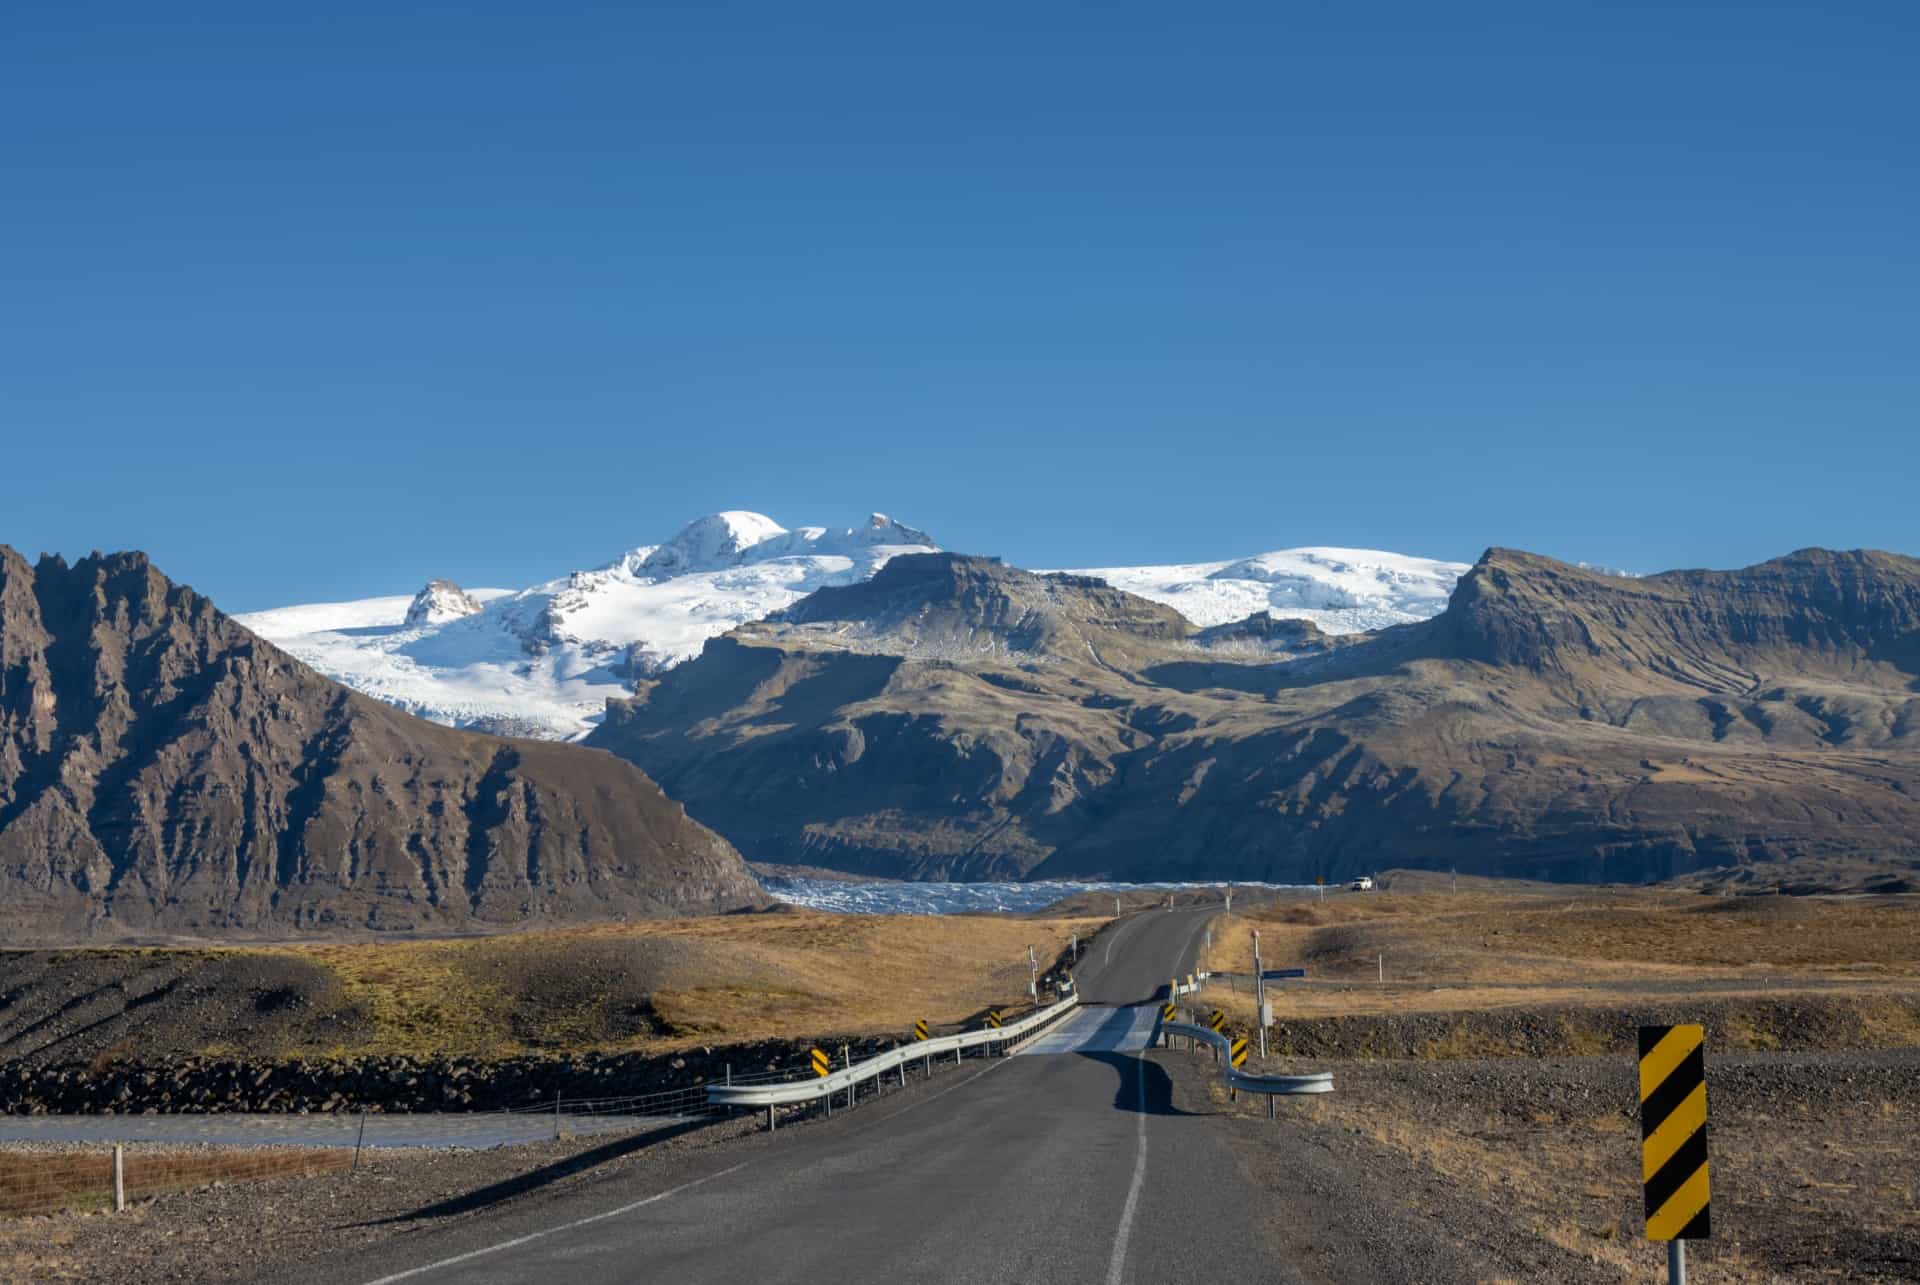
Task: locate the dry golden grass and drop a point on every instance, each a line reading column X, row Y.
column 1577, row 937
column 33, row 1182
column 697, row 981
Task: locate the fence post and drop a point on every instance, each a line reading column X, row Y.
column 358, row 1143
column 119, row 1179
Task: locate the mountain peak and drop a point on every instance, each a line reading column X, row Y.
column 711, row 543
column 439, row 602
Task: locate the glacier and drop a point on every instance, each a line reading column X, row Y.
column 542, row 661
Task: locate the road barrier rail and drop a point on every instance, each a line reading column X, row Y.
column 1245, row 1082
column 796, row 1092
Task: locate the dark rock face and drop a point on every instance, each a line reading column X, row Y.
column 956, row 718
column 163, row 771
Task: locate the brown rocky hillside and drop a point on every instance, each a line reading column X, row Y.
column 957, row 718
column 165, row 772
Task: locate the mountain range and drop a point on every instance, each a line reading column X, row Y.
column 904, row 711
column 953, row 717
column 544, row 660
column 165, row 772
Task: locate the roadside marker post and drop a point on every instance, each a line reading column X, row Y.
column 920, row 1029
column 1673, row 1133
column 1259, row 996
column 846, row 1060
column 822, row 1065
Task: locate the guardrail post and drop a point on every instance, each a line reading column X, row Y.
column 771, row 1126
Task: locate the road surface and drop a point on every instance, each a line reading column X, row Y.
column 1069, row 1163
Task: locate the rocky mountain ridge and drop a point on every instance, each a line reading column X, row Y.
column 957, row 718
column 165, row 772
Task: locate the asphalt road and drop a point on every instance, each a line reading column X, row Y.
column 1070, row 1165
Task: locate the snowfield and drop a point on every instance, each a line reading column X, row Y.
column 1344, row 591
column 543, row 661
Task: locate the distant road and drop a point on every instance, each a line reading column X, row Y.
column 1065, row 1165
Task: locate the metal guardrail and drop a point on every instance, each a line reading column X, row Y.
column 1271, row 1085
column 794, row 1092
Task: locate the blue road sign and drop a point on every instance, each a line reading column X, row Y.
column 1275, row 974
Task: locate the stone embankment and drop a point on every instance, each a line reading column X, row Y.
column 390, row 1083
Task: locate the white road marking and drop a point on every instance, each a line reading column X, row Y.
column 1117, row 1265
column 410, row 1273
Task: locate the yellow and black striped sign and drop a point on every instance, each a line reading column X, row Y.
column 1237, row 1053
column 1673, row 1131
column 920, row 1029
column 993, row 1017
column 1166, row 1014
column 1217, row 1020
column 822, row 1064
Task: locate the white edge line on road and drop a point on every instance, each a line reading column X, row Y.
column 1117, row 1266
column 410, row 1273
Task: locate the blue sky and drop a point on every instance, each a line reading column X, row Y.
column 319, row 301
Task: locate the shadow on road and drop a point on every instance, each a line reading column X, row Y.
column 1158, row 1098
column 520, row 1184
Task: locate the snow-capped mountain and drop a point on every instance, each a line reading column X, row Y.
column 1344, row 591
column 542, row 661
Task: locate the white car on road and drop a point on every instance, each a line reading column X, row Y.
column 1363, row 884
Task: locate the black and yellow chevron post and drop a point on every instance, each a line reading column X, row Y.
column 1217, row 1020
column 822, row 1064
column 1673, row 1132
column 1166, row 1014
column 920, row 1029
column 993, row 1018
column 1237, row 1052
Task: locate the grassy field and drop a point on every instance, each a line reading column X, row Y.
column 1463, row 971
column 659, row 985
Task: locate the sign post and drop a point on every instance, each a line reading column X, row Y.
column 1673, row 1132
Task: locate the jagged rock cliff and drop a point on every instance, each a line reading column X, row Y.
column 956, row 718
column 163, row 771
